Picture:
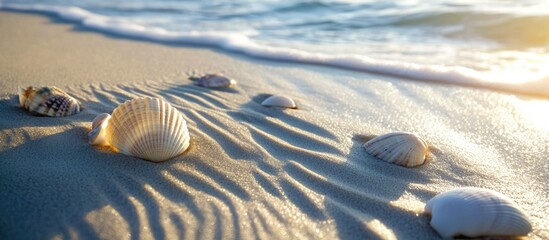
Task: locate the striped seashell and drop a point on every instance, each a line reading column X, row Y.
column 279, row 101
column 147, row 128
column 476, row 212
column 214, row 81
column 401, row 148
column 49, row 101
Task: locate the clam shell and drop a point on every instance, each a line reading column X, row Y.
column 476, row 212
column 147, row 128
column 401, row 148
column 50, row 101
column 214, row 81
column 279, row 101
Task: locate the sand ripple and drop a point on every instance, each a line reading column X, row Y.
column 251, row 172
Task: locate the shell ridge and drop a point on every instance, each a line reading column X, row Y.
column 148, row 128
column 124, row 117
column 148, row 137
column 135, row 113
column 142, row 146
column 164, row 133
column 475, row 212
column 382, row 151
column 401, row 148
column 404, row 158
column 185, row 136
column 159, row 130
column 126, row 131
column 180, row 125
column 113, row 128
column 399, row 153
column 151, row 130
column 507, row 215
column 168, row 142
column 175, row 124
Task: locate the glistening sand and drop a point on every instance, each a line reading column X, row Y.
column 251, row 171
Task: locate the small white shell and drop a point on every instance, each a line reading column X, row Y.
column 148, row 128
column 49, row 101
column 279, row 101
column 476, row 212
column 402, row 148
column 214, row 81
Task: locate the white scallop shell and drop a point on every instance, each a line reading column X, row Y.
column 215, row 81
column 148, row 128
column 50, row 101
column 402, row 148
column 279, row 101
column 476, row 212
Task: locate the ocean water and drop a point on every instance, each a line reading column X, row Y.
column 498, row 44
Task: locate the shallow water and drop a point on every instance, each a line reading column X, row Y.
column 494, row 44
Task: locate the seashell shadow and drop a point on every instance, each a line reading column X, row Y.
column 233, row 90
column 215, row 80
column 351, row 193
column 92, row 173
column 398, row 177
column 195, row 85
column 205, row 97
column 260, row 98
column 109, row 150
column 360, row 158
column 253, row 109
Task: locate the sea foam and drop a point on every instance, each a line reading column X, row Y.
column 240, row 43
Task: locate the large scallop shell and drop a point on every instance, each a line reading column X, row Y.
column 147, row 128
column 476, row 212
column 50, row 101
column 402, row 148
column 214, row 81
column 279, row 101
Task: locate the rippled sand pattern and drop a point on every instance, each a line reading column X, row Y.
column 257, row 172
column 251, row 172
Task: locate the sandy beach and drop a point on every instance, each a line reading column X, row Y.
column 251, row 171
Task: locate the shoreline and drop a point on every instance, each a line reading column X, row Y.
column 251, row 171
column 446, row 75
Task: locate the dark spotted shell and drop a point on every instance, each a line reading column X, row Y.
column 49, row 101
